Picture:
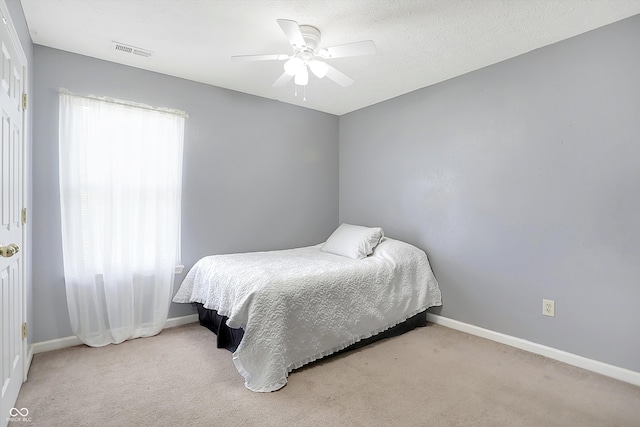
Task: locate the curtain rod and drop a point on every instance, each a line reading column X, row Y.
column 126, row 103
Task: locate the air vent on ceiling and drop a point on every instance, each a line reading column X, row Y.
column 130, row 49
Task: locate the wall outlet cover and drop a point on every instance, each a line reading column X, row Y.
column 549, row 307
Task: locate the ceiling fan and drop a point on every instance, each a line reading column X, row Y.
column 307, row 55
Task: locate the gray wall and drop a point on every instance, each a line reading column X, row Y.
column 258, row 174
column 20, row 24
column 521, row 181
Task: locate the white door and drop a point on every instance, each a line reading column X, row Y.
column 11, row 227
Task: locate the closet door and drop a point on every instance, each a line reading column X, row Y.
column 12, row 291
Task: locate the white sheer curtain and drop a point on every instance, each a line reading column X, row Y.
column 120, row 190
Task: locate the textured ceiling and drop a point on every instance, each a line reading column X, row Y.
column 420, row 42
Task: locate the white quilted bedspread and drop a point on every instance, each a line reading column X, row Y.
column 299, row 305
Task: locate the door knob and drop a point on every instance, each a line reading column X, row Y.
column 10, row 250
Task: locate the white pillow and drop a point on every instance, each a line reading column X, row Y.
column 353, row 241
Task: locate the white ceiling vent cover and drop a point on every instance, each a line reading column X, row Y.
column 130, row 49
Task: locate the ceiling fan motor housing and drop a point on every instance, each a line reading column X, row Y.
column 311, row 36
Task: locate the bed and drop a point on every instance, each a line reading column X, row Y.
column 280, row 310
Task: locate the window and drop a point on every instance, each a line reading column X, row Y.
column 120, row 193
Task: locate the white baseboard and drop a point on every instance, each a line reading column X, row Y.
column 59, row 343
column 27, row 363
column 182, row 320
column 612, row 371
column 56, row 344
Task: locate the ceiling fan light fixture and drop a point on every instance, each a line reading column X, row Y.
column 302, row 76
column 293, row 66
column 318, row 68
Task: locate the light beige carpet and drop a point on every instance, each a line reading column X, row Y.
column 432, row 376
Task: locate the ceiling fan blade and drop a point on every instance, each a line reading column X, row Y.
column 291, row 29
column 241, row 58
column 366, row 47
column 282, row 80
column 338, row 77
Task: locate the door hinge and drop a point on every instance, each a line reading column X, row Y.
column 24, row 101
column 24, row 216
column 24, row 330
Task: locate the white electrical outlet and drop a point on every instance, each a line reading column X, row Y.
column 549, row 307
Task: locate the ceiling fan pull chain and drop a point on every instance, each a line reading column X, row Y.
column 304, row 93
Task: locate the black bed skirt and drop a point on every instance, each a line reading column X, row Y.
column 230, row 338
